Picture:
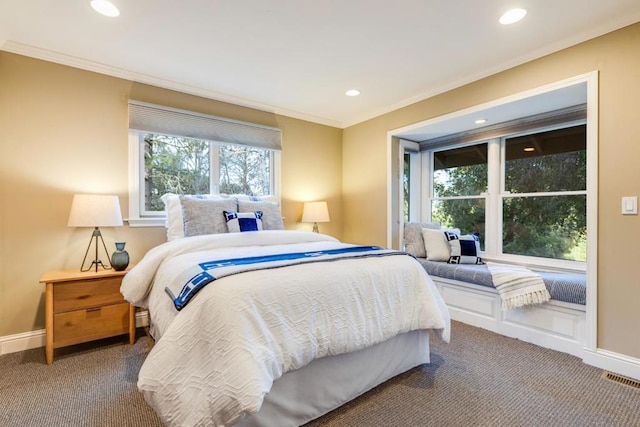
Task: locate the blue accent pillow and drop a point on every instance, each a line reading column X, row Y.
column 464, row 249
column 243, row 221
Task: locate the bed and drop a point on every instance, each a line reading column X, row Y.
column 283, row 340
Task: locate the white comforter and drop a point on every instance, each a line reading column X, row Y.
column 216, row 359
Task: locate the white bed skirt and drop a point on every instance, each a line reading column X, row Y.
column 324, row 384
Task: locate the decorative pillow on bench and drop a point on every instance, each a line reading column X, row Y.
column 436, row 244
column 413, row 240
column 463, row 249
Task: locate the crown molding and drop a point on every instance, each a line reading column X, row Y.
column 96, row 67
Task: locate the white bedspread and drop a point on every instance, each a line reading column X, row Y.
column 216, row 359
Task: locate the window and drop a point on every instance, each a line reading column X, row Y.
column 545, row 199
column 459, row 187
column 180, row 152
column 524, row 194
column 193, row 166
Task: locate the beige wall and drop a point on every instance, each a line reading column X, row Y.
column 64, row 131
column 616, row 58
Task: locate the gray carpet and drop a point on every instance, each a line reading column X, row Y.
column 479, row 379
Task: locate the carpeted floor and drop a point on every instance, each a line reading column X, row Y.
column 479, row 379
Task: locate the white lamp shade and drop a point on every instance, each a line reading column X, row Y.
column 89, row 210
column 315, row 212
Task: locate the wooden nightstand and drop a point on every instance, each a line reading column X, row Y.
column 85, row 306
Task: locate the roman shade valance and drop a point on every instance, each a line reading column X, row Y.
column 551, row 118
column 153, row 118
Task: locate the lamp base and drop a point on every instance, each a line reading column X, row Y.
column 97, row 235
column 315, row 227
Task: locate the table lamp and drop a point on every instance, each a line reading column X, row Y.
column 315, row 212
column 90, row 210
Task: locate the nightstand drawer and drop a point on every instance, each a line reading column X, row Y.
column 78, row 326
column 87, row 294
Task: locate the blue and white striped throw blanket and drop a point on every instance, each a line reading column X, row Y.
column 518, row 286
column 207, row 272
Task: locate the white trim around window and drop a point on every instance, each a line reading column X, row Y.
column 140, row 218
column 590, row 80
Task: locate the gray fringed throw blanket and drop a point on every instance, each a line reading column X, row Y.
column 518, row 286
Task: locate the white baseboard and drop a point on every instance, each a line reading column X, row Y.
column 35, row 339
column 558, row 326
column 613, row 362
column 21, row 342
column 603, row 359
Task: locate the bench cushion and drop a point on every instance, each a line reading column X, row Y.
column 563, row 286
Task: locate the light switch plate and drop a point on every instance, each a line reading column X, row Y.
column 630, row 205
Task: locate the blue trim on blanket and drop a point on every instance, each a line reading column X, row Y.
column 202, row 279
column 209, row 265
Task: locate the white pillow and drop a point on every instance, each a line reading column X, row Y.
column 436, row 244
column 413, row 241
column 175, row 220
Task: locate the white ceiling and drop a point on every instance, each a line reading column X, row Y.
column 297, row 57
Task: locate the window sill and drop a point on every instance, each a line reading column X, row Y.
column 146, row 222
column 540, row 264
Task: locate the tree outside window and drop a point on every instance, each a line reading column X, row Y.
column 182, row 165
column 543, row 192
column 460, row 177
column 545, row 202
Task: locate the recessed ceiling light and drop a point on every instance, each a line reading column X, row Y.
column 512, row 16
column 105, row 7
column 480, row 121
column 352, row 92
column 528, row 149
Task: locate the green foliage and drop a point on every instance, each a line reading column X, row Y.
column 244, row 170
column 460, row 181
column 550, row 226
column 174, row 165
column 466, row 214
column 182, row 166
column 557, row 172
column 406, row 185
column 547, row 226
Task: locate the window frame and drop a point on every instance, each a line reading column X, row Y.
column 412, row 150
column 588, row 83
column 139, row 217
column 495, row 195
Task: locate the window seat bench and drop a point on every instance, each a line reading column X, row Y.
column 567, row 287
column 559, row 324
